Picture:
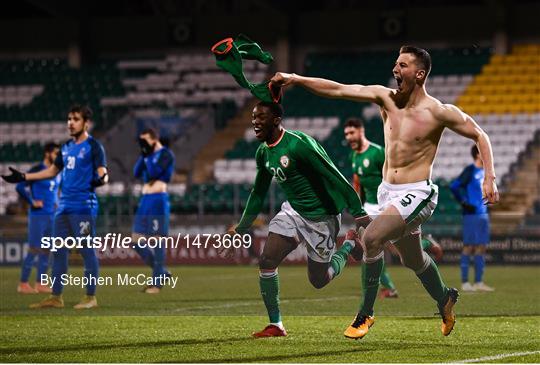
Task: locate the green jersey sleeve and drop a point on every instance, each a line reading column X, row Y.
column 256, row 197
column 308, row 154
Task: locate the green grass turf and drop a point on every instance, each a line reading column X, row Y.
column 209, row 318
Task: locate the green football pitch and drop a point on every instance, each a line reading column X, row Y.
column 210, row 315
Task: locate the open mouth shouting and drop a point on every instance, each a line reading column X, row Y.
column 258, row 131
column 399, row 81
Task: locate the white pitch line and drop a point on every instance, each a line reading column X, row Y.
column 496, row 357
column 245, row 304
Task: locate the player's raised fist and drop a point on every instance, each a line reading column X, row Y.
column 282, row 79
column 15, row 176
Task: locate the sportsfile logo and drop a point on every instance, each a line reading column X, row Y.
column 118, row 240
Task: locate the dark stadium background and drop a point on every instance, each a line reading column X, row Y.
column 140, row 63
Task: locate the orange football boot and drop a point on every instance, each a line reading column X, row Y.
column 360, row 326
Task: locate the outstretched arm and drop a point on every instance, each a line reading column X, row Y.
column 47, row 173
column 332, row 89
column 256, row 197
column 464, row 125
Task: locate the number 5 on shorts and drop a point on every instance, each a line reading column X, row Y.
column 407, row 199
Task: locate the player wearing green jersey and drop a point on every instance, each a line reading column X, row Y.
column 413, row 123
column 316, row 195
column 367, row 163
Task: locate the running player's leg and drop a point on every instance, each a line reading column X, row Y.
column 276, row 248
column 413, row 257
column 388, row 289
column 320, row 270
column 388, row 226
column 431, row 246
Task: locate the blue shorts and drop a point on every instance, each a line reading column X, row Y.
column 75, row 221
column 152, row 217
column 476, row 229
column 39, row 225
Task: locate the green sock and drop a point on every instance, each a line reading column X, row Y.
column 339, row 258
column 432, row 281
column 270, row 293
column 386, row 280
column 370, row 285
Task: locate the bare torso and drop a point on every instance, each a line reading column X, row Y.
column 411, row 136
column 154, row 187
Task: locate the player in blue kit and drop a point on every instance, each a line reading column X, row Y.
column 467, row 190
column 154, row 167
column 83, row 166
column 42, row 198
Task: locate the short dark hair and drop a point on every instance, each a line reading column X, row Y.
column 275, row 108
column 422, row 56
column 474, row 151
column 83, row 110
column 151, row 132
column 49, row 147
column 354, row 122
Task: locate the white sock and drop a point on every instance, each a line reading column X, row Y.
column 279, row 325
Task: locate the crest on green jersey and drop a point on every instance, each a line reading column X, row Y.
column 366, row 163
column 284, row 161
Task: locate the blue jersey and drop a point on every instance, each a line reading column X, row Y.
column 467, row 188
column 44, row 190
column 158, row 166
column 79, row 163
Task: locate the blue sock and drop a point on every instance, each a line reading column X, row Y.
column 42, row 265
column 146, row 255
column 464, row 268
column 479, row 264
column 59, row 267
column 159, row 262
column 91, row 269
column 27, row 265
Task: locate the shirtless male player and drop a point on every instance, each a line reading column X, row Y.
column 413, row 124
